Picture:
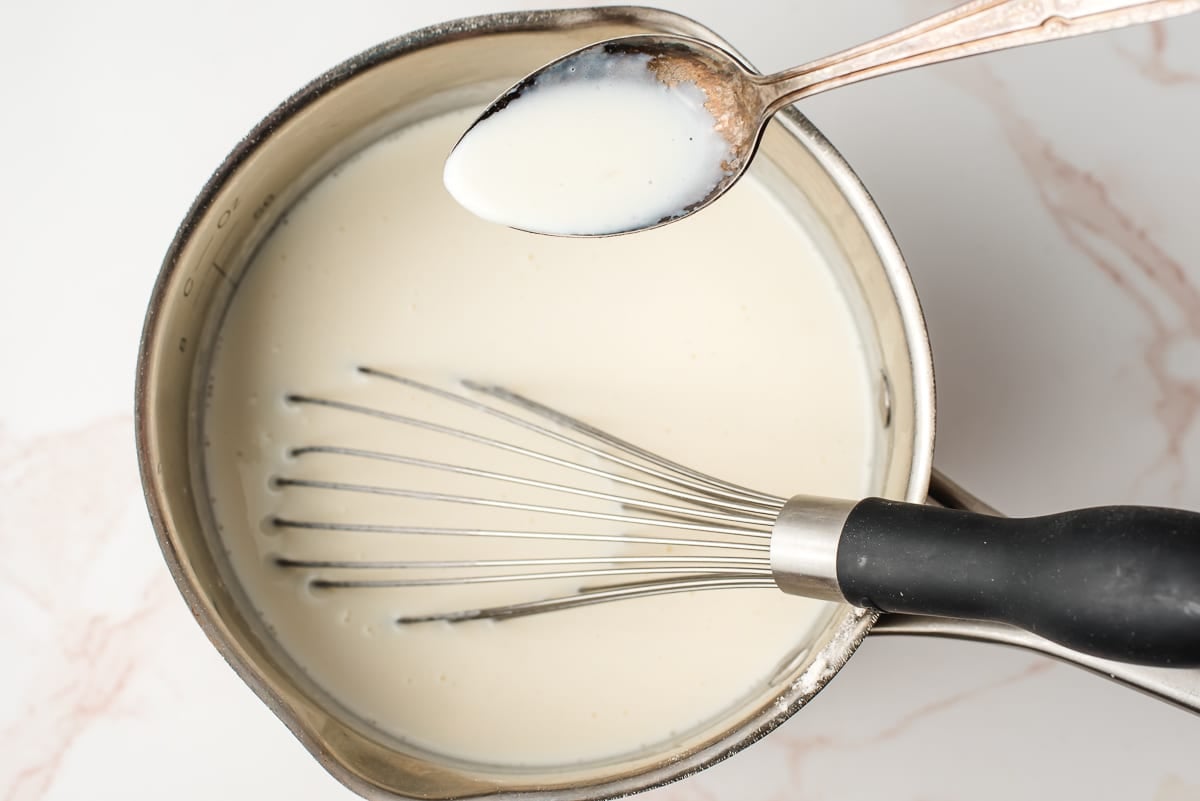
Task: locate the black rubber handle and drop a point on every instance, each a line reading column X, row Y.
column 1120, row 582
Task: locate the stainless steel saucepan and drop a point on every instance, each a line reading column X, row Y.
column 372, row 94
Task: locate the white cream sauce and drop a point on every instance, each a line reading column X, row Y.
column 721, row 342
column 596, row 145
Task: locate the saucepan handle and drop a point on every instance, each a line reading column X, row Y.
column 1174, row 685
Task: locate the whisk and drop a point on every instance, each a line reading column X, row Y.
column 1120, row 582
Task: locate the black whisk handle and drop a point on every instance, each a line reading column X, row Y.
column 1119, row 582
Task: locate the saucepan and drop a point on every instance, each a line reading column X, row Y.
column 411, row 78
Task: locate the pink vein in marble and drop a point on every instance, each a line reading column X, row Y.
column 69, row 605
column 800, row 750
column 1110, row 237
column 803, row 749
column 1153, row 65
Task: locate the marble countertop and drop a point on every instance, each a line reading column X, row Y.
column 1046, row 200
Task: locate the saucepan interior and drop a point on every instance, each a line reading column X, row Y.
column 405, row 80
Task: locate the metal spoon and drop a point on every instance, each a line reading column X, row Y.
column 569, row 165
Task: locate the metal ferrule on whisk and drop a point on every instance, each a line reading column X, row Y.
column 804, row 545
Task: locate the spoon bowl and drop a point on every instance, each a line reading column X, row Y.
column 628, row 134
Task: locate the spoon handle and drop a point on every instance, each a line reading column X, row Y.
column 980, row 26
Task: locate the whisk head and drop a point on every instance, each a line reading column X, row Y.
column 564, row 507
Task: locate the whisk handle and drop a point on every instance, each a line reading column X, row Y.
column 1119, row 582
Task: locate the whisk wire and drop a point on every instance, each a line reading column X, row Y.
column 664, row 560
column 770, row 501
column 731, row 518
column 595, row 595
column 457, row 581
column 670, row 471
column 624, row 539
column 762, row 519
column 469, row 500
column 701, row 498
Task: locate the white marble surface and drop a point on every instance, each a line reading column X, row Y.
column 1046, row 201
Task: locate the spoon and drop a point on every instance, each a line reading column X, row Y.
column 637, row 132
